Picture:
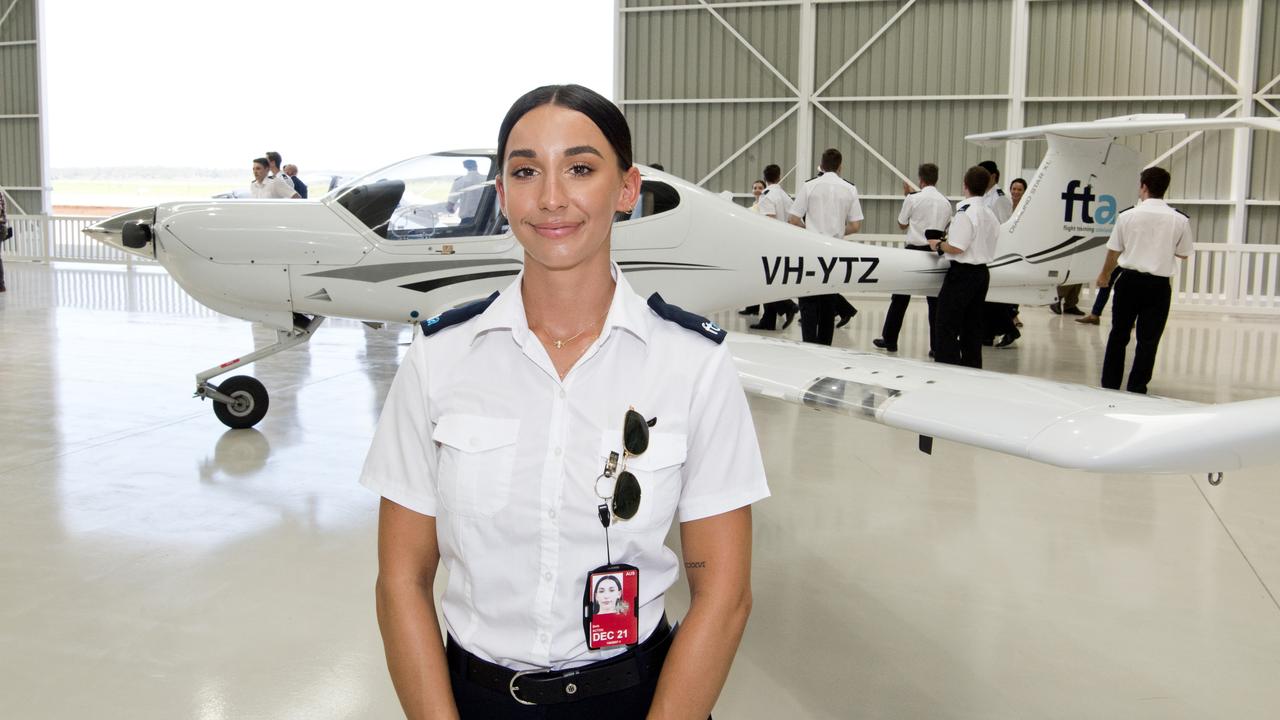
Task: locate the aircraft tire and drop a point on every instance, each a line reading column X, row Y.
column 252, row 402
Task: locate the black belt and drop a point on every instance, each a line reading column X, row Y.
column 968, row 266
column 549, row 687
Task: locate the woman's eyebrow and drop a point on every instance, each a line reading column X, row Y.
column 524, row 153
column 581, row 149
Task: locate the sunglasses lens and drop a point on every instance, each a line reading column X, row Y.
column 626, row 496
column 635, row 433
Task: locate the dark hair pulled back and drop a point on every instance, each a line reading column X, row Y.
column 605, row 115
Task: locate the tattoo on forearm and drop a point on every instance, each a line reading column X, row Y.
column 692, row 565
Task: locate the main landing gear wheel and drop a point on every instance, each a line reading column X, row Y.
column 248, row 404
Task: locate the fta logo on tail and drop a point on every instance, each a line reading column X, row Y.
column 1094, row 209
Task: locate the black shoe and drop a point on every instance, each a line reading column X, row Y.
column 753, row 310
column 1009, row 339
column 760, row 326
column 844, row 319
column 989, row 341
column 1072, row 311
column 791, row 315
column 930, row 353
column 1055, row 308
column 880, row 343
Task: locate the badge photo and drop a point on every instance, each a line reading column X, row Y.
column 611, row 615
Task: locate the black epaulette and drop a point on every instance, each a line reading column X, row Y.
column 456, row 316
column 686, row 319
column 999, row 192
column 913, row 192
column 1182, row 213
column 962, row 208
column 815, row 177
column 1127, row 209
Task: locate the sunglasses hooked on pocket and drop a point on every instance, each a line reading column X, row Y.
column 624, row 499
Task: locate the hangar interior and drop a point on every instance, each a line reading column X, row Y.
column 159, row 565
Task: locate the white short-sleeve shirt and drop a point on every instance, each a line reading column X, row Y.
column 975, row 231
column 827, row 203
column 1149, row 235
column 1000, row 203
column 775, row 201
column 271, row 187
column 480, row 432
column 927, row 209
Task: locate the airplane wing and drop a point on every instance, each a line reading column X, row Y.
column 1127, row 125
column 1057, row 423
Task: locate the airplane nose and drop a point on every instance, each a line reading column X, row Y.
column 129, row 231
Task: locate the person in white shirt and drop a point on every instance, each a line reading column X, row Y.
column 508, row 453
column 263, row 186
column 971, row 244
column 775, row 203
column 466, row 191
column 827, row 204
column 1144, row 244
column 924, row 209
column 1000, row 319
column 276, row 175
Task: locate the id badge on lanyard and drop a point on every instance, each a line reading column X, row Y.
column 610, row 611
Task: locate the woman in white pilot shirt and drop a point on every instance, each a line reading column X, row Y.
column 499, row 422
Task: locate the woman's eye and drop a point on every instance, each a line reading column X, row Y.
column 579, row 169
column 522, row 172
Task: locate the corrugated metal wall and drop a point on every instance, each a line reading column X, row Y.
column 21, row 159
column 939, row 72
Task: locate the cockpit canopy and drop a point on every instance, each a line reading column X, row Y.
column 451, row 195
column 445, row 195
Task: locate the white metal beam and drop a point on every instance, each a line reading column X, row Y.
column 1189, row 139
column 749, row 143
column 750, row 48
column 866, row 145
column 1018, row 60
column 6, row 12
column 804, row 118
column 865, row 46
column 1195, row 50
column 705, row 101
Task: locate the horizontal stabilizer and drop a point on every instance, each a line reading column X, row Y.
column 1057, row 423
column 1128, row 125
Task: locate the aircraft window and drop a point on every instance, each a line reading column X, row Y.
column 655, row 197
column 448, row 195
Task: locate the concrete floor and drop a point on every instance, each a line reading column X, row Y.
column 157, row 565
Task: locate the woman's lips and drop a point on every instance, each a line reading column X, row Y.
column 555, row 231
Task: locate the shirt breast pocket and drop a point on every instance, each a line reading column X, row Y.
column 658, row 470
column 477, row 457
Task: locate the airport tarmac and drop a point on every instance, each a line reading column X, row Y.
column 158, row 565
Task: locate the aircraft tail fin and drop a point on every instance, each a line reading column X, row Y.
column 1060, row 229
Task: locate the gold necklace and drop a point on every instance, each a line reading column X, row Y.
column 561, row 343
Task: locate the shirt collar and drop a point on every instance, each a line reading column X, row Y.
column 626, row 311
column 1154, row 202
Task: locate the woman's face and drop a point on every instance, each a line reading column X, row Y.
column 756, row 188
column 560, row 186
column 607, row 593
column 1015, row 192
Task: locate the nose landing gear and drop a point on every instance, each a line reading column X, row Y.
column 242, row 401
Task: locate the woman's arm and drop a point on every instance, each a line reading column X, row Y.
column 407, row 559
column 717, row 553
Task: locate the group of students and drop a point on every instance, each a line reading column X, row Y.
column 272, row 180
column 827, row 204
column 961, row 321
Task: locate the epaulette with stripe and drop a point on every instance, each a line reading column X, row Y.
column 1181, row 213
column 999, row 192
column 1126, row 209
column 457, row 315
column 686, row 319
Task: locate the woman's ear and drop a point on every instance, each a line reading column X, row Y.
column 502, row 194
column 630, row 190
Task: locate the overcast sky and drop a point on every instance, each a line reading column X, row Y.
column 331, row 85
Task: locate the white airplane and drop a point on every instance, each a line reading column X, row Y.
column 407, row 242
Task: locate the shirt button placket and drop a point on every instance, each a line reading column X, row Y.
column 549, row 527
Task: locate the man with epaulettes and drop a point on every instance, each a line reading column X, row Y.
column 924, row 209
column 827, row 204
column 775, row 203
column 1144, row 244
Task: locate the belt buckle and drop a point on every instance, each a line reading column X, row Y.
column 511, row 685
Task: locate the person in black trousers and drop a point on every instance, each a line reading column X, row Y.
column 1145, row 243
column 970, row 244
column 923, row 210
